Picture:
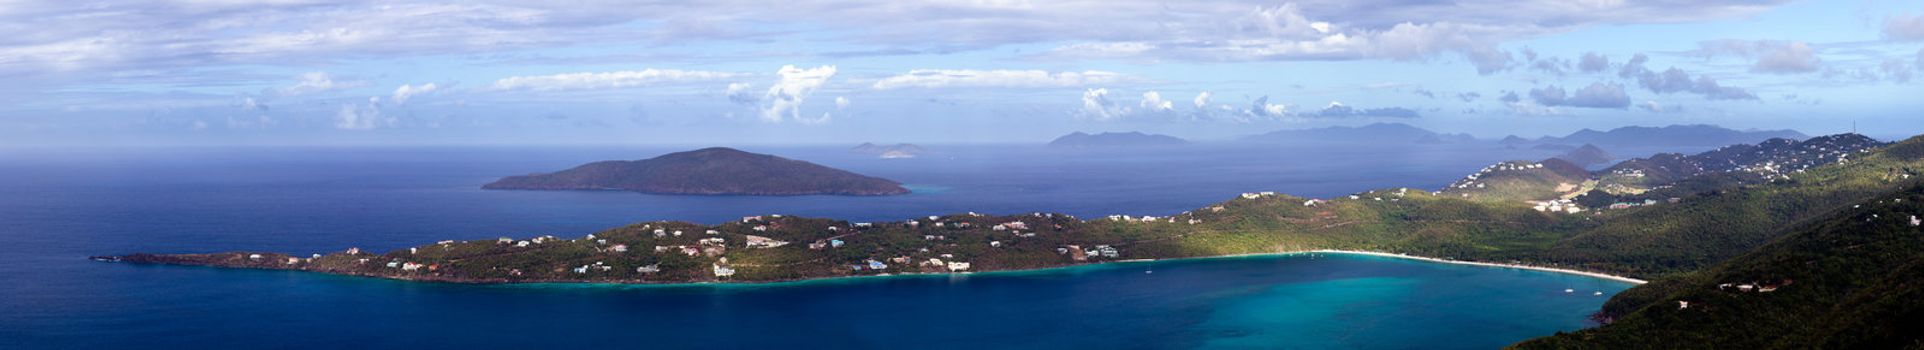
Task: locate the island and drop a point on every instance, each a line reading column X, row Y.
column 1735, row 251
column 1115, row 139
column 708, row 171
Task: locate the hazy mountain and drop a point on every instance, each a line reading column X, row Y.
column 1587, row 155
column 1674, row 135
column 708, row 171
column 1115, row 139
column 1378, row 132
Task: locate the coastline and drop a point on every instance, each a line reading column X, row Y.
column 1598, row 275
column 846, row 279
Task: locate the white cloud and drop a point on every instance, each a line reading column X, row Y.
column 739, row 93
column 944, row 78
column 841, row 102
column 405, row 92
column 314, row 82
column 1152, row 101
column 361, row 116
column 1897, row 70
column 1795, row 57
column 609, row 80
column 1096, row 105
column 785, row 97
column 1202, row 101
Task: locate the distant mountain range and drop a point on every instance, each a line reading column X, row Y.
column 708, row 171
column 1378, row 132
column 1115, row 139
column 1673, row 136
column 895, row 151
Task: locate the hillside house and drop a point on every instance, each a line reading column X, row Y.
column 723, row 271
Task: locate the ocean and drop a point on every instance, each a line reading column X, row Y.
column 59, row 206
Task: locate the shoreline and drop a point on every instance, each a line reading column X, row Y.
column 1597, row 275
column 844, row 279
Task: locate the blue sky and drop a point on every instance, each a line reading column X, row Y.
column 298, row 72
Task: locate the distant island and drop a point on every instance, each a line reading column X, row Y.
column 708, row 171
column 895, row 151
column 1115, row 139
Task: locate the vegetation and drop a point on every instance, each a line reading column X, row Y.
column 709, row 171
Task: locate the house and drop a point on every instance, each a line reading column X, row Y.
column 876, row 265
column 690, row 251
column 900, row 259
column 1061, row 251
column 357, row 251
column 712, row 241
column 763, row 242
column 928, row 237
column 1194, row 221
column 1016, row 225
column 723, row 271
column 713, row 232
column 1247, row 195
column 661, row 248
column 1107, row 251
column 817, row 245
column 958, row 266
column 761, row 228
column 1267, row 193
column 661, row 233
column 522, row 244
column 677, row 233
column 254, row 256
column 834, row 243
column 748, row 219
column 653, row 268
column 914, row 224
column 995, row 244
column 411, row 266
column 864, row 225
column 1915, row 221
column 293, row 260
column 502, row 240
column 619, row 248
column 999, row 228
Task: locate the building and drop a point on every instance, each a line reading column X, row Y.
column 834, row 243
column 723, row 271
column 958, row 266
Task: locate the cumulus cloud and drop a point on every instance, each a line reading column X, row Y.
column 785, row 97
column 1597, row 95
column 1676, row 80
column 405, row 92
column 1339, row 110
column 1262, row 108
column 314, row 82
column 355, row 116
column 1202, row 100
column 1153, row 102
column 252, row 104
column 1096, row 105
column 945, row 78
column 609, row 80
column 741, row 94
column 1794, row 57
column 1592, row 62
column 1904, row 27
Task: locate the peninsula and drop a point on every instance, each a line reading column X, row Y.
column 708, row 171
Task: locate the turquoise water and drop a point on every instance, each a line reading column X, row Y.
column 57, row 209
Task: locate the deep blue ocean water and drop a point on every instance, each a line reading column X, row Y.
column 59, row 206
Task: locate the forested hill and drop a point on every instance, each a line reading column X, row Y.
column 709, row 171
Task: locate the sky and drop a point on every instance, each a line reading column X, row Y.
column 300, row 72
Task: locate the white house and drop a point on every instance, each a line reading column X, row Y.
column 958, row 266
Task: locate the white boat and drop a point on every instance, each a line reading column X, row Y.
column 1567, row 290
